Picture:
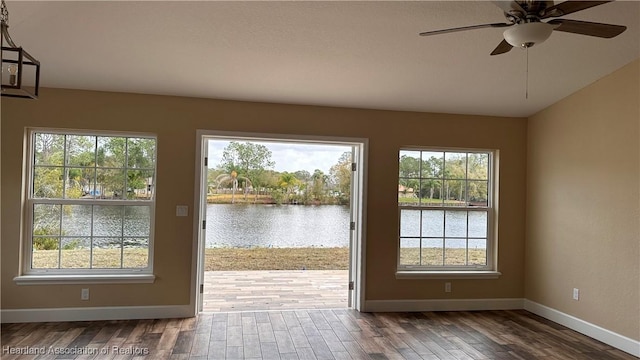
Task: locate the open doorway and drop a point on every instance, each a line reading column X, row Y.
column 280, row 222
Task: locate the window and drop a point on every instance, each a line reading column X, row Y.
column 90, row 203
column 445, row 208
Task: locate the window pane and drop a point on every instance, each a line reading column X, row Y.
column 81, row 150
column 455, row 224
column 410, row 164
column 455, row 193
column 49, row 149
column 477, row 251
column 477, row 224
column 111, row 152
column 47, row 182
column 107, row 253
column 80, row 183
column 432, row 254
column 455, row 165
column 409, row 223
column 76, row 220
column 111, row 183
column 141, row 153
column 45, row 252
column 75, row 253
column 46, row 220
column 432, row 163
column 478, row 166
column 140, row 184
column 135, row 253
column 478, row 193
column 432, row 223
column 137, row 221
column 107, row 220
column 430, row 192
column 455, row 252
column 409, row 251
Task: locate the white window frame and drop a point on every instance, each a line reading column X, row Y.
column 82, row 275
column 487, row 271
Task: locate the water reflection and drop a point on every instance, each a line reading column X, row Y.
column 277, row 226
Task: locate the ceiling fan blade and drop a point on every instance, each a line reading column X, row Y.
column 502, row 48
column 588, row 28
column 508, row 6
column 569, row 7
column 472, row 27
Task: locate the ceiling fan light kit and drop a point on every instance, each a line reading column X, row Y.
column 528, row 34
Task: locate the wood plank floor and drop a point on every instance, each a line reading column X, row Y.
column 310, row 334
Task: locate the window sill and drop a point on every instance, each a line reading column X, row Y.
column 84, row 279
column 413, row 274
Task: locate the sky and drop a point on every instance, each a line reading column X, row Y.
column 289, row 157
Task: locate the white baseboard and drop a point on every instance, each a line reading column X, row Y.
column 95, row 313
column 606, row 336
column 442, row 305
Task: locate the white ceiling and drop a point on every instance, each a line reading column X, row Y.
column 340, row 53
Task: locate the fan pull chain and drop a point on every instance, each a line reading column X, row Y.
column 526, row 94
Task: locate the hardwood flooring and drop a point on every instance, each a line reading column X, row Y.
column 309, row 334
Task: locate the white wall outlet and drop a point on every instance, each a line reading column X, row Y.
column 447, row 287
column 182, row 210
column 576, row 294
column 84, row 294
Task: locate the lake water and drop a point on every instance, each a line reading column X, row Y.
column 103, row 225
column 242, row 225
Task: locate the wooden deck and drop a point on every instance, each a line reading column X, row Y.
column 275, row 290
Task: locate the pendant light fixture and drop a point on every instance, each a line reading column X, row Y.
column 20, row 70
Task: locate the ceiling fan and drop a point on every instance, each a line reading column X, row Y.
column 526, row 28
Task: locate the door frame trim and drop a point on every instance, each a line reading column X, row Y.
column 359, row 245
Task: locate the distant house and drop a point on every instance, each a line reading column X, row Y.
column 404, row 191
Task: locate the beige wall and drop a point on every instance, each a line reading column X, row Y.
column 175, row 121
column 583, row 204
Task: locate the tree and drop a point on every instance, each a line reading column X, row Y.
column 410, row 171
column 431, row 186
column 318, row 185
column 455, row 174
column 341, row 176
column 248, row 160
column 288, row 182
column 302, row 175
column 233, row 178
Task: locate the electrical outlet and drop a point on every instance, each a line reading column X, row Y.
column 447, row 287
column 84, row 294
column 576, row 294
